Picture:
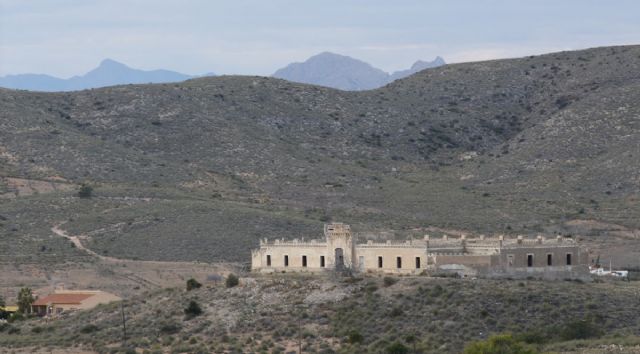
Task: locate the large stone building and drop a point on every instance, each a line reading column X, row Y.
column 555, row 258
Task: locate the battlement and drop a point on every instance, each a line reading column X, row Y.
column 337, row 229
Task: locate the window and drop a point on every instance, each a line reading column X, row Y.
column 268, row 260
column 399, row 262
column 322, row 261
column 417, row 262
column 286, row 261
column 304, row 261
column 568, row 258
column 549, row 259
column 510, row 260
column 379, row 261
column 529, row 260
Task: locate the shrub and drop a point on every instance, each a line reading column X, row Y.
column 90, row 328
column 36, row 329
column 397, row 348
column 170, row 328
column 580, row 329
column 388, row 281
column 232, row 280
column 396, row 312
column 499, row 344
column 193, row 284
column 192, row 310
column 85, row 191
column 355, row 337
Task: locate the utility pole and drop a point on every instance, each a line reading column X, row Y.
column 124, row 326
column 300, row 334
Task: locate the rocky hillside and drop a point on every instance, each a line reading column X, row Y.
column 277, row 314
column 546, row 143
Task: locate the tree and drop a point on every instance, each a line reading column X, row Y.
column 3, row 314
column 232, row 280
column 85, row 191
column 25, row 299
column 499, row 344
column 193, row 284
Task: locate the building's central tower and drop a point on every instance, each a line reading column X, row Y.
column 340, row 246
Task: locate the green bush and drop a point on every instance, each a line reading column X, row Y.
column 397, row 348
column 192, row 310
column 193, row 284
column 355, row 337
column 232, row 280
column 85, row 191
column 36, row 329
column 170, row 328
column 580, row 329
column 388, row 281
column 90, row 328
column 499, row 344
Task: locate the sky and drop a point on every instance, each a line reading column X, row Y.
column 257, row 37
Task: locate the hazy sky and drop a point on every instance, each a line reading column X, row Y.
column 67, row 37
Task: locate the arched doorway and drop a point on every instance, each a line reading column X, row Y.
column 339, row 259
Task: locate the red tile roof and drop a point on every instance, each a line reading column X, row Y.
column 61, row 299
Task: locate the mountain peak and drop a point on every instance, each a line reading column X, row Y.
column 346, row 73
column 110, row 63
column 334, row 70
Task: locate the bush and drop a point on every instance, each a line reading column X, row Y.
column 36, row 329
column 499, row 344
column 397, row 348
column 580, row 329
column 85, row 191
column 192, row 310
column 232, row 280
column 170, row 328
column 355, row 337
column 89, row 329
column 193, row 284
column 388, row 281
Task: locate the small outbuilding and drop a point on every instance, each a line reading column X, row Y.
column 69, row 300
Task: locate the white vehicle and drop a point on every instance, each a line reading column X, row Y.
column 599, row 271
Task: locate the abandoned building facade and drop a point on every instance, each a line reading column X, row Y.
column 555, row 258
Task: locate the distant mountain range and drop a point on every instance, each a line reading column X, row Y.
column 108, row 73
column 346, row 73
column 325, row 69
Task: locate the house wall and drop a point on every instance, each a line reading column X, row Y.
column 294, row 252
column 390, row 253
column 99, row 298
column 513, row 262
